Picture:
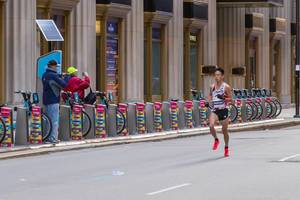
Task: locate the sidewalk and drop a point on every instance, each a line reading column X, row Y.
column 286, row 120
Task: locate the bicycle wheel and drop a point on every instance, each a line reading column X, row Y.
column 259, row 111
column 255, row 111
column 269, row 109
column 86, row 124
column 2, row 130
column 46, row 126
column 274, row 111
column 249, row 111
column 233, row 112
column 278, row 106
column 121, row 122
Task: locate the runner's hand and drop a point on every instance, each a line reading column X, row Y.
column 221, row 96
column 85, row 74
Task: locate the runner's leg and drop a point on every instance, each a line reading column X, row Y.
column 212, row 120
column 225, row 131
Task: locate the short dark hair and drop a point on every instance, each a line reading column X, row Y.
column 52, row 63
column 219, row 69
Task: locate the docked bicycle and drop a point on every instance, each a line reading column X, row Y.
column 29, row 100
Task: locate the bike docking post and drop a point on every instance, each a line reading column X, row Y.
column 181, row 115
column 174, row 112
column 123, row 109
column 111, row 120
column 76, row 122
column 158, row 117
column 188, row 108
column 166, row 116
column 22, row 132
column 131, row 119
column 140, row 118
column 91, row 112
column 65, row 123
column 100, row 121
column 35, row 136
column 196, row 112
column 7, row 116
column 150, row 117
column 203, row 112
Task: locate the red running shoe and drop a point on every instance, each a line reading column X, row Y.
column 216, row 144
column 226, row 152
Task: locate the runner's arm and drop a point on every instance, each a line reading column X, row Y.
column 228, row 94
column 210, row 93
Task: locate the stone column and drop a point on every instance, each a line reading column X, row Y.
column 262, row 67
column 20, row 46
column 134, row 73
column 83, row 38
column 285, row 43
column 231, row 42
column 175, row 52
column 210, row 35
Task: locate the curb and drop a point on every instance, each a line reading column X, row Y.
column 33, row 150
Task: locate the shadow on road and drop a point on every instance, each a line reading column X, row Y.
column 198, row 162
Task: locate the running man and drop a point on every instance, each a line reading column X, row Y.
column 220, row 96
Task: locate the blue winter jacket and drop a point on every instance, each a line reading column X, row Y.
column 52, row 85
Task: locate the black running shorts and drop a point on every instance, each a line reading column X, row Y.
column 222, row 114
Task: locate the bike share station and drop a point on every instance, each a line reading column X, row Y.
column 26, row 126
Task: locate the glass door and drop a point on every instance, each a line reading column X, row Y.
column 252, row 63
column 193, row 61
column 252, row 74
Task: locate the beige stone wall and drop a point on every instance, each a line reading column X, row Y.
column 175, row 52
column 285, row 72
column 210, row 35
column 263, row 48
column 223, row 44
column 231, row 42
column 20, row 53
column 134, row 73
column 83, row 38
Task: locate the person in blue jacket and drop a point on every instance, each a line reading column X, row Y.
column 52, row 86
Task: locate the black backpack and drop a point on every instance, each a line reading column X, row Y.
column 90, row 98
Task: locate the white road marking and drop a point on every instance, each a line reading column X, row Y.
column 288, row 158
column 169, row 189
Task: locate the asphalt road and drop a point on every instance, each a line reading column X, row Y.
column 182, row 169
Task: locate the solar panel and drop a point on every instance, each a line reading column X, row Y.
column 49, row 30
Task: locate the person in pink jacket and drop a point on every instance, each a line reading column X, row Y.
column 76, row 84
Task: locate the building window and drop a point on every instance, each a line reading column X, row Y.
column 153, row 61
column 98, row 53
column 60, row 17
column 252, row 62
column 108, row 57
column 156, row 61
column 192, row 60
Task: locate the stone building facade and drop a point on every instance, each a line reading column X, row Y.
column 153, row 50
